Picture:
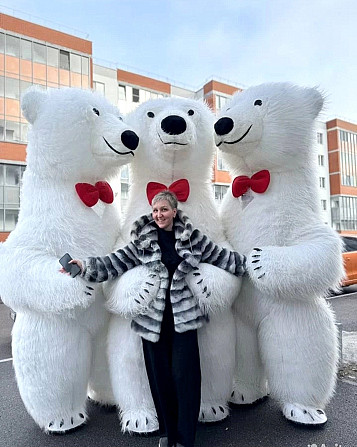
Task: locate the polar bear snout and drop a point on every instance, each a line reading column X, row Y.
column 173, row 125
column 223, row 126
column 130, row 139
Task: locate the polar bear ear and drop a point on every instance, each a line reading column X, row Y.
column 31, row 102
column 316, row 100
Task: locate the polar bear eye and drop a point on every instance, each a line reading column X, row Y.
column 96, row 111
column 190, row 112
column 151, row 114
column 121, row 119
column 258, row 102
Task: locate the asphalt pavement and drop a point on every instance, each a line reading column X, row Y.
column 260, row 425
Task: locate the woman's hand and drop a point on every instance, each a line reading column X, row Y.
column 73, row 261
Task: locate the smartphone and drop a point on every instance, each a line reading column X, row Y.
column 73, row 269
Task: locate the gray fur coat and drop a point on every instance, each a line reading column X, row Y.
column 191, row 245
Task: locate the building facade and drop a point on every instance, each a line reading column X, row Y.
column 33, row 54
column 30, row 54
column 342, row 152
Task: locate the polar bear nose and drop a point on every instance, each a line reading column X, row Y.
column 224, row 126
column 173, row 125
column 130, row 139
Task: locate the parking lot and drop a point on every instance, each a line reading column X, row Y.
column 261, row 425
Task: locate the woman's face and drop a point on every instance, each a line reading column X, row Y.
column 163, row 214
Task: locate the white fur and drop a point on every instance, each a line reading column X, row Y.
column 166, row 163
column 285, row 328
column 54, row 354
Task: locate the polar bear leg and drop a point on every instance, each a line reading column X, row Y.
column 249, row 384
column 299, row 348
column 217, row 355
column 99, row 387
column 51, row 358
column 129, row 379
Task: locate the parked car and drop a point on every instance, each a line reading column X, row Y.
column 350, row 260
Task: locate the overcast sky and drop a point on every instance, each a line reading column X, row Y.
column 308, row 42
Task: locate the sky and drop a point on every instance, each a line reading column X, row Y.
column 247, row 42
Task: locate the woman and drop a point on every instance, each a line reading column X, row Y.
column 166, row 242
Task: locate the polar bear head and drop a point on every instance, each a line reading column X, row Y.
column 176, row 139
column 268, row 126
column 75, row 134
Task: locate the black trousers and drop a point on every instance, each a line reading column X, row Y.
column 173, row 369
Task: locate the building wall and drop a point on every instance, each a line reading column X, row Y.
column 342, row 147
column 321, row 149
column 30, row 54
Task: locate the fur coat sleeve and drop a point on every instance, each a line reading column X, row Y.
column 99, row 269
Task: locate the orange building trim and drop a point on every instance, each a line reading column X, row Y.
column 13, row 152
column 143, row 81
column 39, row 32
column 344, row 125
column 221, row 176
column 332, row 140
column 3, row 236
column 220, row 87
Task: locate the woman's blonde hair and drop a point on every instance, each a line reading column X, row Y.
column 166, row 195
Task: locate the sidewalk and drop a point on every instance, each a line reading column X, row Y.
column 255, row 426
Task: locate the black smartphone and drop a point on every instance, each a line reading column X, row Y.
column 73, row 269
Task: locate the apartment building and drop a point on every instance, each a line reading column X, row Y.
column 30, row 54
column 342, row 152
column 33, row 54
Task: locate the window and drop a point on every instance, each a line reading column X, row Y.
column 219, row 192
column 124, row 190
column 343, row 135
column 2, row 128
column 319, row 137
column 220, row 164
column 64, row 60
column 24, row 85
column 10, row 183
column 2, row 42
column 122, row 92
column 26, row 49
column 324, row 205
column 85, row 66
column 221, row 101
column 124, row 174
column 52, row 56
column 321, row 160
column 135, row 95
column 24, row 131
column 12, row 131
column 12, row 88
column 99, row 87
column 39, row 53
column 13, row 46
column 2, row 87
column 322, row 182
column 75, row 63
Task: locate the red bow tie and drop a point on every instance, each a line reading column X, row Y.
column 259, row 183
column 90, row 194
column 181, row 188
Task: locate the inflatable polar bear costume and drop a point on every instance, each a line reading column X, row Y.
column 285, row 328
column 76, row 136
column 176, row 142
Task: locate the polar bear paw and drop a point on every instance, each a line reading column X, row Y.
column 196, row 283
column 247, row 396
column 302, row 414
column 255, row 267
column 66, row 424
column 140, row 421
column 148, row 292
column 213, row 412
